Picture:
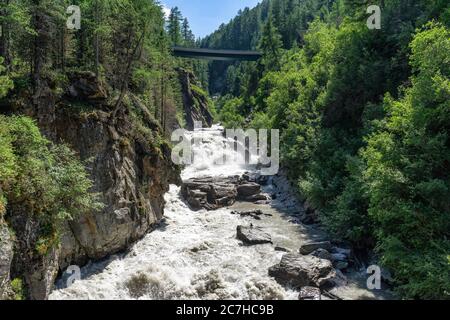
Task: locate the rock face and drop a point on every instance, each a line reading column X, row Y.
column 131, row 173
column 214, row 193
column 6, row 256
column 194, row 100
column 253, row 235
column 300, row 271
column 86, row 86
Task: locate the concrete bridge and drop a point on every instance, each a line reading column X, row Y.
column 210, row 54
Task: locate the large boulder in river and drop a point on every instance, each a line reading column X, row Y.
column 311, row 246
column 253, row 235
column 212, row 193
column 248, row 190
column 298, row 271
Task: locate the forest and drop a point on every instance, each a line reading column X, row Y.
column 364, row 120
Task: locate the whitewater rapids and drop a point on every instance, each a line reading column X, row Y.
column 195, row 255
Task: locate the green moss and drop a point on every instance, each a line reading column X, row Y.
column 18, row 289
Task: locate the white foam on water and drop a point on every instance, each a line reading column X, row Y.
column 192, row 255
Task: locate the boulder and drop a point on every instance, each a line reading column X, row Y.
column 309, row 293
column 253, row 235
column 249, row 189
column 214, row 193
column 210, row 193
column 311, row 246
column 298, row 271
column 334, row 279
column 322, row 254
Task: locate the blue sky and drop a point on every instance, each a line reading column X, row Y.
column 205, row 16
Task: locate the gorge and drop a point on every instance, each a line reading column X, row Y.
column 358, row 119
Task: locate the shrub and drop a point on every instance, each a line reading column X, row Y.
column 41, row 179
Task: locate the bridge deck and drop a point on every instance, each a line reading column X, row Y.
column 211, row 54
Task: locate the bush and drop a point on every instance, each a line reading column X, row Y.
column 408, row 175
column 41, row 179
column 230, row 116
column 18, row 289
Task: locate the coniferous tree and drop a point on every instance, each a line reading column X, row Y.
column 188, row 36
column 271, row 47
column 174, row 26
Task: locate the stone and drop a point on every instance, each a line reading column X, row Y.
column 213, row 193
column 322, row 254
column 253, row 235
column 210, row 193
column 298, row 271
column 255, row 214
column 311, row 246
column 334, row 279
column 282, row 249
column 309, row 293
column 247, row 190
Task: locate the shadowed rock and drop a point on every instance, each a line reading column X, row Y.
column 309, row 247
column 297, row 271
column 253, row 235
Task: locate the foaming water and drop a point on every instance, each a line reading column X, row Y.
column 212, row 156
column 191, row 255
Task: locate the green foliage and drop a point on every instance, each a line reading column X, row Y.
column 6, row 83
column 270, row 47
column 229, row 114
column 407, row 173
column 289, row 17
column 42, row 179
column 174, row 26
column 18, row 289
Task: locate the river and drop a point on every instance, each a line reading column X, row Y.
column 196, row 255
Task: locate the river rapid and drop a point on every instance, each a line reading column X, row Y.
column 196, row 255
